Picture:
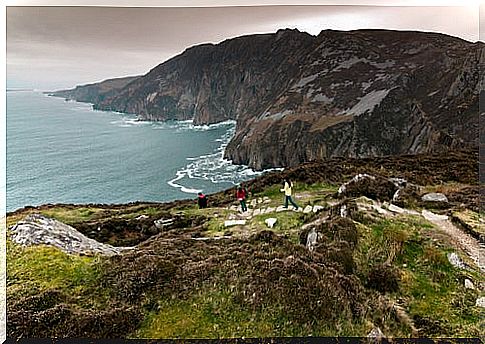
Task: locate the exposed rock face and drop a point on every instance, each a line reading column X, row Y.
column 37, row 229
column 298, row 97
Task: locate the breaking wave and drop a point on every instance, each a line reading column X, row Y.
column 213, row 167
column 200, row 170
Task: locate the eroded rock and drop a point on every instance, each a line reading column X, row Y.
column 37, row 229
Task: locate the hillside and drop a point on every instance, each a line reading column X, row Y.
column 298, row 97
column 364, row 256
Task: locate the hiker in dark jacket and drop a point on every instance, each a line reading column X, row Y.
column 202, row 200
column 241, row 194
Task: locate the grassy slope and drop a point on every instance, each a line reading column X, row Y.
column 430, row 289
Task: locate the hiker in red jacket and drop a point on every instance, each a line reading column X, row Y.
column 241, row 194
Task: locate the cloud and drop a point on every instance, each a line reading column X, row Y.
column 77, row 43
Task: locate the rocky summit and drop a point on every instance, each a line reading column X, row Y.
column 298, row 97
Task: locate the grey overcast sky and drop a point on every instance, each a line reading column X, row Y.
column 59, row 47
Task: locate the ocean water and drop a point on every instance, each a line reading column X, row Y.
column 65, row 152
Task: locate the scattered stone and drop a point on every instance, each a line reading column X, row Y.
column 281, row 208
column 396, row 209
column 356, row 178
column 430, row 216
column 456, row 261
column 232, row 217
column 343, row 211
column 480, row 302
column 434, row 197
column 308, row 209
column 376, row 334
column 377, row 188
column 399, row 210
column 234, row 208
column 317, row 208
column 395, row 197
column 162, row 223
column 230, row 223
column 37, row 229
column 270, row 222
column 260, row 200
column 141, row 217
column 380, row 210
column 469, row 284
column 212, row 238
column 266, row 199
column 246, row 214
column 270, row 210
column 257, row 212
column 399, row 182
column 312, row 239
column 253, row 203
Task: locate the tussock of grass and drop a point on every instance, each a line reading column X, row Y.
column 45, row 267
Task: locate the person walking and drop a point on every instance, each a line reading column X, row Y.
column 241, row 197
column 287, row 189
column 202, row 200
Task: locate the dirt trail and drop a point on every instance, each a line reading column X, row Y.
column 464, row 241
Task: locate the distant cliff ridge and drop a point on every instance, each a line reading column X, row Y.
column 96, row 92
column 298, row 97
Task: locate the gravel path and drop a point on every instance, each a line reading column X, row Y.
column 466, row 242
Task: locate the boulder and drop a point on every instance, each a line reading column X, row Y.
column 37, row 229
column 434, row 197
column 374, row 187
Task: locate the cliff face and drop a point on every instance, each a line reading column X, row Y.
column 368, row 93
column 298, row 97
column 213, row 83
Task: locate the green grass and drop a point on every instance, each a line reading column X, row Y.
column 73, row 215
column 286, row 220
column 215, row 314
column 317, row 189
column 40, row 268
column 430, row 286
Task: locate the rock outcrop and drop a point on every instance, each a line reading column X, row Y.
column 298, row 97
column 36, row 229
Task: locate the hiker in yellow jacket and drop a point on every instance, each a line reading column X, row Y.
column 288, row 191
